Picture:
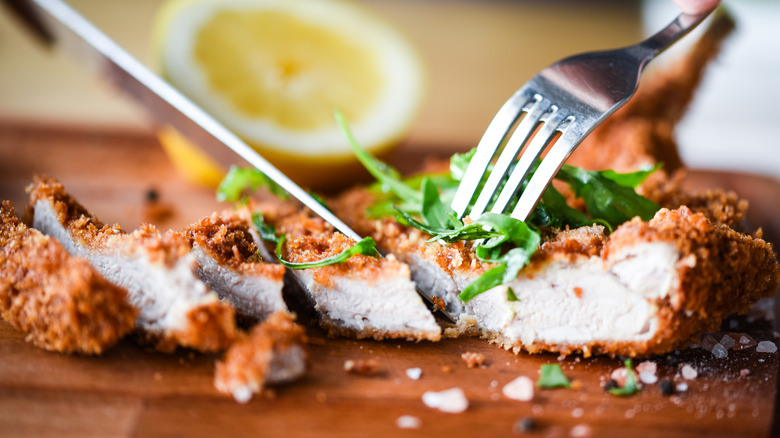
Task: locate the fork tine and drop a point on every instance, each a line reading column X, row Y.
column 487, row 147
column 529, row 156
column 547, row 169
column 508, row 155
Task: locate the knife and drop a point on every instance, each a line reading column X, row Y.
column 55, row 22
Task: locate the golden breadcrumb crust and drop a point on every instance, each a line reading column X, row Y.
column 249, row 360
column 226, row 238
column 393, row 237
column 210, row 327
column 59, row 301
column 309, row 239
column 721, row 272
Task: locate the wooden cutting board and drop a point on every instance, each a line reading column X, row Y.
column 134, row 392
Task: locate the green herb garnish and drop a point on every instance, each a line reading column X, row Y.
column 551, row 376
column 631, row 386
column 367, row 247
column 423, row 202
column 266, row 231
column 241, row 179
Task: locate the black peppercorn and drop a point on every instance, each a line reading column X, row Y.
column 666, row 387
column 611, row 383
column 525, row 424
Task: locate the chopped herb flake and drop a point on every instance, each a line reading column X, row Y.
column 266, row 231
column 510, row 295
column 241, row 179
column 423, row 202
column 551, row 376
column 367, row 247
column 631, row 386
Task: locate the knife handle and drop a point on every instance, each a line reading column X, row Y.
column 30, row 16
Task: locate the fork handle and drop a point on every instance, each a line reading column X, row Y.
column 651, row 47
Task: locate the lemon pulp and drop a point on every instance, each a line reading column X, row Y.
column 274, row 71
column 292, row 82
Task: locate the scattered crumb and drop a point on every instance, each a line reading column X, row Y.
column 522, row 389
column 689, row 372
column 321, row 397
column 438, row 303
column 446, row 369
column 581, row 431
column 472, row 359
column 577, row 412
column 408, row 422
column 414, row 373
column 681, row 387
column 452, row 400
column 766, row 347
column 361, row 367
column 744, row 372
column 575, row 385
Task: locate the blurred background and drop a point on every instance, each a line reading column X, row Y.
column 477, row 53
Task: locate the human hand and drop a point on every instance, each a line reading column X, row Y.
column 696, row 6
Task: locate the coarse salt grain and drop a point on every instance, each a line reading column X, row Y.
column 766, row 347
column 719, row 351
column 408, row 422
column 452, row 400
column 689, row 372
column 647, row 366
column 647, row 377
column 522, row 389
column 414, row 373
column 242, row 394
column 581, row 431
column 727, row 341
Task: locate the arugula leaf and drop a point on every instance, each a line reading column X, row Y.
column 367, row 246
column 388, row 177
column 606, row 199
column 433, row 210
column 551, row 376
column 239, row 179
column 631, row 386
column 266, row 231
column 459, row 163
column 631, row 179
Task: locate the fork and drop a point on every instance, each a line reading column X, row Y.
column 556, row 109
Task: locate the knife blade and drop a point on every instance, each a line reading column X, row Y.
column 56, row 23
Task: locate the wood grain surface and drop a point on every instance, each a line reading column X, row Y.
column 134, row 392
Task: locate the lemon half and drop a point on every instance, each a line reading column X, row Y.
column 274, row 72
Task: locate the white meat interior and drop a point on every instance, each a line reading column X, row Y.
column 388, row 303
column 163, row 295
column 251, row 295
column 582, row 301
